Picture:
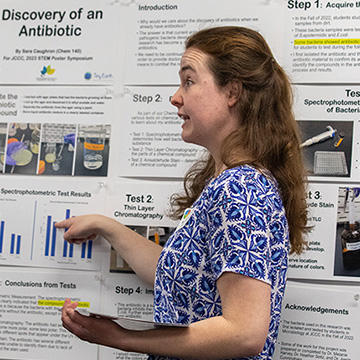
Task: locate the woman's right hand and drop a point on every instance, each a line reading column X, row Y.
column 140, row 253
column 80, row 228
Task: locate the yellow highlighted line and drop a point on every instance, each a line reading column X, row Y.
column 326, row 41
column 82, row 304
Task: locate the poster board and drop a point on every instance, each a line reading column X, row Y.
column 118, row 76
column 47, row 44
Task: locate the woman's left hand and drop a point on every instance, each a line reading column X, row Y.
column 91, row 329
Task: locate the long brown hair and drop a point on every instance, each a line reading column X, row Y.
column 268, row 130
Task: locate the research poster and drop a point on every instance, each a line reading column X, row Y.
column 150, row 138
column 126, row 296
column 54, row 104
column 328, row 117
column 143, row 206
column 333, row 251
column 87, row 126
column 64, row 131
column 140, row 202
column 28, row 213
column 322, row 41
column 319, row 322
column 318, row 260
column 30, row 317
column 46, row 43
column 156, row 32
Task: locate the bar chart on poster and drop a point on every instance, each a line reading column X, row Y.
column 15, row 232
column 28, row 235
column 54, row 246
column 50, row 248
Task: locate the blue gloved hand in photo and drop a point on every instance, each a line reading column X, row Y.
column 356, row 192
column 70, row 139
column 12, row 149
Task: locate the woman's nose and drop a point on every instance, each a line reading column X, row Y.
column 176, row 99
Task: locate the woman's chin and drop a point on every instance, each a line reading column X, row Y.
column 185, row 137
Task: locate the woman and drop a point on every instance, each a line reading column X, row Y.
column 223, row 271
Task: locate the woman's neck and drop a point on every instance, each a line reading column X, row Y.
column 219, row 168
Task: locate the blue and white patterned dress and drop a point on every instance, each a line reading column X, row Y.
column 238, row 224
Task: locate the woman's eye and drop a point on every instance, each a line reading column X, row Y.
column 188, row 82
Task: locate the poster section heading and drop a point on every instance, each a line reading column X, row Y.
column 30, row 317
column 28, row 236
column 144, row 207
column 30, row 55
column 329, row 124
column 151, row 143
column 319, row 322
column 126, row 296
column 333, row 251
column 156, row 33
column 322, row 42
column 142, row 202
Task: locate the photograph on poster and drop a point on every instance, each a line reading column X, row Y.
column 160, row 234
column 22, row 148
column 157, row 234
column 316, row 262
column 327, row 147
column 347, row 250
column 3, row 129
column 92, row 150
column 57, row 149
column 117, row 263
column 334, row 239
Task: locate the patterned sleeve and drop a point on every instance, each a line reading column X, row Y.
column 243, row 223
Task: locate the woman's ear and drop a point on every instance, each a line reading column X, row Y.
column 235, row 90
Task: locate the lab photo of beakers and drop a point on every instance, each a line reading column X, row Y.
column 92, row 150
column 57, row 149
column 117, row 263
column 22, row 148
column 327, row 147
